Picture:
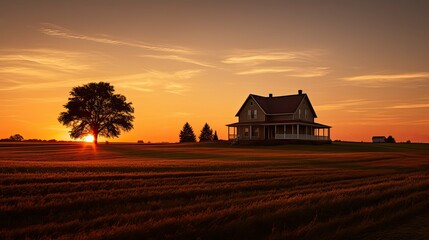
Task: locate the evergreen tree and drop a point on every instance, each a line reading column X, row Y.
column 215, row 138
column 206, row 133
column 187, row 134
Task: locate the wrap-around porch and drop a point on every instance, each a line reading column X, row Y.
column 279, row 131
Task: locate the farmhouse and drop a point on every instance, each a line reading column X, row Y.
column 288, row 117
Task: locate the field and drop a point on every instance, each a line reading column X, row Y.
column 214, row 191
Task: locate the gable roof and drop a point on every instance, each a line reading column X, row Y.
column 279, row 105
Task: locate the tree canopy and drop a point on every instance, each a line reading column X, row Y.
column 187, row 134
column 16, row 138
column 206, row 133
column 390, row 139
column 94, row 109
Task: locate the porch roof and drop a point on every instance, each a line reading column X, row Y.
column 284, row 122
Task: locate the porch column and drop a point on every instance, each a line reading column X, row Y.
column 275, row 131
column 250, row 133
column 329, row 133
column 284, row 132
column 229, row 137
column 297, row 131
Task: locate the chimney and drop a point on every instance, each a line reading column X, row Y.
column 270, row 95
column 300, row 92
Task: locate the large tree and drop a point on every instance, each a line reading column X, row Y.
column 187, row 134
column 206, row 134
column 16, row 138
column 94, row 109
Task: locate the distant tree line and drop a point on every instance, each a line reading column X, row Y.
column 187, row 134
column 20, row 138
column 13, row 138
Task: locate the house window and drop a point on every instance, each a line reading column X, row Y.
column 255, row 132
column 251, row 103
column 299, row 113
column 246, row 131
column 305, row 113
column 253, row 114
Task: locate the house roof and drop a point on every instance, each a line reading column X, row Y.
column 285, row 122
column 280, row 104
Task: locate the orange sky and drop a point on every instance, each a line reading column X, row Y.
column 364, row 64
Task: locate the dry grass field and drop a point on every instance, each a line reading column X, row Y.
column 214, row 191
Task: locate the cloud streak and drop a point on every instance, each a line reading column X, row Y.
column 343, row 104
column 410, row 106
column 64, row 61
column 310, row 72
column 255, row 57
column 57, row 31
column 265, row 70
column 300, row 64
column 153, row 80
column 379, row 80
column 179, row 59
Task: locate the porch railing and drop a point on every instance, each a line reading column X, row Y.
column 232, row 136
column 301, row 136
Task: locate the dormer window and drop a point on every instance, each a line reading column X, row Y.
column 251, row 103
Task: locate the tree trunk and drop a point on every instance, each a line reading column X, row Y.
column 95, row 138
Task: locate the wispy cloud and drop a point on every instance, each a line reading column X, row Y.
column 57, row 31
column 63, row 61
column 310, row 72
column 290, row 71
column 43, row 68
column 389, row 77
column 153, row 80
column 180, row 59
column 146, row 81
column 27, row 72
column 176, row 88
column 301, row 64
column 408, row 106
column 343, row 104
column 254, row 57
column 378, row 80
column 265, row 70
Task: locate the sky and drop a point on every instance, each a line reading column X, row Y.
column 363, row 64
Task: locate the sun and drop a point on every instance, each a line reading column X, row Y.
column 88, row 138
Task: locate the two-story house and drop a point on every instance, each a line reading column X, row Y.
column 278, row 118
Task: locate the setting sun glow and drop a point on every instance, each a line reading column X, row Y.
column 88, row 138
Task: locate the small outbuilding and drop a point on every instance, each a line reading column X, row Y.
column 378, row 139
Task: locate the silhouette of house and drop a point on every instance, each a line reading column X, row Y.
column 378, row 139
column 278, row 118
